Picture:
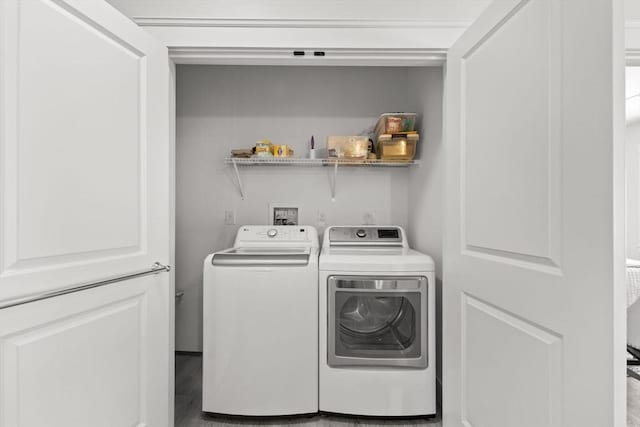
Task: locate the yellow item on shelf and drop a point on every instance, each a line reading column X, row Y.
column 263, row 148
column 281, row 150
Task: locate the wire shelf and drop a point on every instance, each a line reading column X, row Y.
column 334, row 164
column 300, row 161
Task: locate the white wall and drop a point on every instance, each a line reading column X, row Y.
column 632, row 10
column 220, row 107
column 426, row 181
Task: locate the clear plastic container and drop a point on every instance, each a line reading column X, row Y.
column 390, row 123
column 348, row 147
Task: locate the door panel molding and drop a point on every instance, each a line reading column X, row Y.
column 85, row 198
column 27, row 145
column 61, row 367
column 532, row 354
column 74, row 138
column 528, row 212
column 535, row 236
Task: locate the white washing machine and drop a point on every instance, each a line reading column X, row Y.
column 260, row 323
column 377, row 324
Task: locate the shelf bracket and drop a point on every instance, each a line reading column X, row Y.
column 333, row 181
column 239, row 180
column 328, row 162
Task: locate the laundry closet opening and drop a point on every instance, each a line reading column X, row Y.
column 225, row 107
column 632, row 160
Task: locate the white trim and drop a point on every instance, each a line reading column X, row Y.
column 632, row 57
column 284, row 56
column 632, row 23
column 168, row 21
column 341, row 33
column 172, row 238
column 296, row 23
column 632, row 38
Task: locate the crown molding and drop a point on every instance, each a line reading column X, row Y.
column 168, row 21
column 296, row 23
column 197, row 47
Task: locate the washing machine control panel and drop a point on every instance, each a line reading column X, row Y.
column 278, row 233
column 366, row 236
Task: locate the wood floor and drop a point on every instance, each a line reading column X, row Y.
column 633, row 402
column 189, row 402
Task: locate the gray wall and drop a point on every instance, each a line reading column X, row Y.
column 224, row 107
column 426, row 181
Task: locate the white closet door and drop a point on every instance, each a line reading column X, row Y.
column 533, row 288
column 84, row 195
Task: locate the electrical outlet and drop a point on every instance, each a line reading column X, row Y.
column 369, row 218
column 230, row 217
column 321, row 221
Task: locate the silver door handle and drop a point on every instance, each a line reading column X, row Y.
column 155, row 269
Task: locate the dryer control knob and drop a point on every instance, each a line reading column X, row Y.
column 361, row 233
column 272, row 233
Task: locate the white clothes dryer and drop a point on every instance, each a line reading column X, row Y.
column 260, row 323
column 377, row 324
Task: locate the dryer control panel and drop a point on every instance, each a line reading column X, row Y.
column 364, row 236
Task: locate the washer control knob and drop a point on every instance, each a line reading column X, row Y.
column 272, row 232
column 361, row 233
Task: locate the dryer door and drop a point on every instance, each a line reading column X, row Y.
column 379, row 321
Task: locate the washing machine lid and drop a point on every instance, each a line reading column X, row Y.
column 357, row 260
column 263, row 256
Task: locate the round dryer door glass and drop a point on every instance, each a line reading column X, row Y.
column 377, row 321
column 371, row 315
column 377, row 326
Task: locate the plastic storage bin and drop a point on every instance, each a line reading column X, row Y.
column 348, row 147
column 390, row 123
column 397, row 147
